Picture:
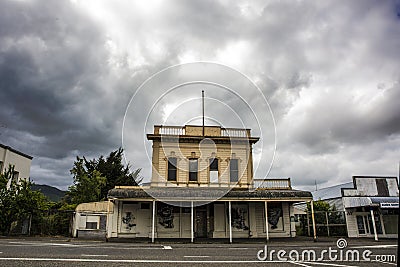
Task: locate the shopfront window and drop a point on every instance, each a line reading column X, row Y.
column 360, row 225
column 390, row 220
column 377, row 224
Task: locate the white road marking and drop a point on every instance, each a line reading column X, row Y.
column 330, row 264
column 391, row 263
column 89, row 255
column 134, row 261
column 167, row 247
column 196, row 256
column 238, row 248
column 44, row 244
column 30, row 244
column 377, row 246
column 301, row 264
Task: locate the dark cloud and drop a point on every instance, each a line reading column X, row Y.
column 329, row 69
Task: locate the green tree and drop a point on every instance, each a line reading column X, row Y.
column 87, row 184
column 94, row 178
column 18, row 202
column 116, row 173
column 7, row 201
column 319, row 205
column 322, row 209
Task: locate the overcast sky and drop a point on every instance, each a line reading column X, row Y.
column 330, row 71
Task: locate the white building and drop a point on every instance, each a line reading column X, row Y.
column 365, row 198
column 20, row 161
column 90, row 219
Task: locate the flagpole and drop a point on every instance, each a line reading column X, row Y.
column 202, row 97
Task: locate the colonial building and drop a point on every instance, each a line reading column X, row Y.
column 20, row 161
column 202, row 186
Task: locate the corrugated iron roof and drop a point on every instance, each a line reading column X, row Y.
column 331, row 192
column 190, row 194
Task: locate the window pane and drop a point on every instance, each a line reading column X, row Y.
column 172, row 169
column 213, row 164
column 213, row 170
column 390, row 222
column 234, row 171
column 366, row 224
column 213, row 176
column 360, row 225
column 91, row 225
column 193, row 167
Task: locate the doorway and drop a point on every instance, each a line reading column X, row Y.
column 201, row 223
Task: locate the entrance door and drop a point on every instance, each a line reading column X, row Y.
column 201, row 223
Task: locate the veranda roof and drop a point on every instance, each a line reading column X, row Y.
column 207, row 194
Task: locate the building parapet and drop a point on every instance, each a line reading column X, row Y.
column 259, row 184
column 194, row 130
column 274, row 183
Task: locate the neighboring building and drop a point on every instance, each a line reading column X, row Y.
column 332, row 195
column 90, row 219
column 202, row 186
column 20, row 161
column 365, row 198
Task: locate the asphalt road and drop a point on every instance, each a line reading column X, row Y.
column 63, row 252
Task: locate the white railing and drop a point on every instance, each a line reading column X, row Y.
column 171, row 130
column 233, row 132
column 178, row 130
column 273, row 183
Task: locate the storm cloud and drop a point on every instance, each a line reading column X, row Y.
column 329, row 69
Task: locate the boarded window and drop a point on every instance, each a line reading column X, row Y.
column 275, row 216
column 145, row 206
column 193, row 168
column 382, row 187
column 91, row 225
column 172, row 169
column 103, row 222
column 234, row 170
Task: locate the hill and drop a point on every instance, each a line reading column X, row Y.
column 52, row 193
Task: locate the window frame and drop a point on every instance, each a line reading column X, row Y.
column 190, row 172
column 210, row 161
column 230, row 170
column 169, row 163
column 91, row 224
